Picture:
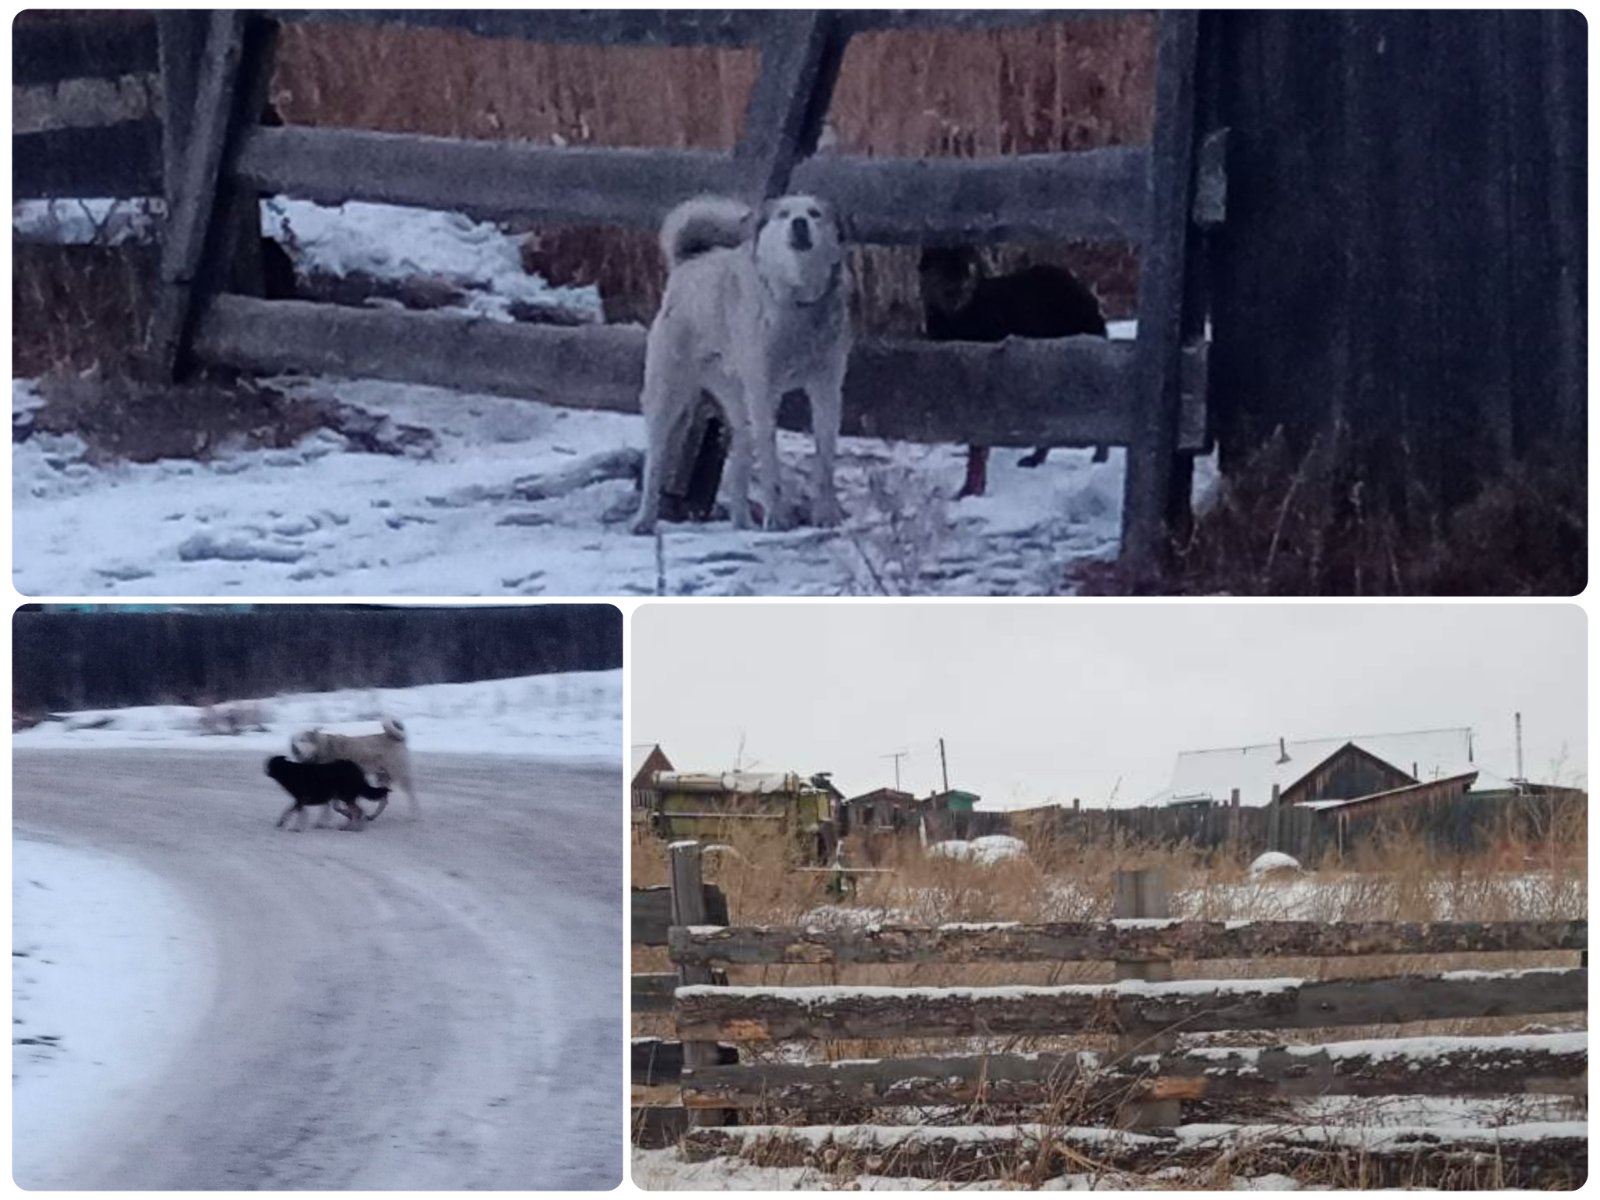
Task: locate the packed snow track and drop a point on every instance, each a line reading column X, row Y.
column 426, row 1004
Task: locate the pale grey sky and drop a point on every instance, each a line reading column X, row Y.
column 1044, row 702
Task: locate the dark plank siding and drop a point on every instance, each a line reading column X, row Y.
column 1406, row 236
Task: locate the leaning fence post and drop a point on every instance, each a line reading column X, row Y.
column 1143, row 894
column 689, row 908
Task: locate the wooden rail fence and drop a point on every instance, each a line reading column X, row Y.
column 1148, row 395
column 1139, row 1083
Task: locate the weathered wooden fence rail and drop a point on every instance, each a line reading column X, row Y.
column 1145, row 1076
column 1088, row 941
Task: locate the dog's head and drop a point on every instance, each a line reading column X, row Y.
column 948, row 275
column 306, row 745
column 800, row 242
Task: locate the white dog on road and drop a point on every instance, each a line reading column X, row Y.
column 385, row 755
column 752, row 310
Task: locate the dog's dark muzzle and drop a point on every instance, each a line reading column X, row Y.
column 799, row 234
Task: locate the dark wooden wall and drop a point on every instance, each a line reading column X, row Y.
column 67, row 660
column 1405, row 245
column 1349, row 773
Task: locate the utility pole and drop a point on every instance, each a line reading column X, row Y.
column 897, row 756
column 944, row 767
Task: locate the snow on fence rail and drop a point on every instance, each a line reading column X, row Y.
column 758, row 1014
column 1146, row 1074
column 1112, row 941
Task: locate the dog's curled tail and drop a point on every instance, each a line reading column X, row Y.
column 702, row 224
column 394, row 729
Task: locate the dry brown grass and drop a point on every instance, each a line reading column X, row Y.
column 1316, row 524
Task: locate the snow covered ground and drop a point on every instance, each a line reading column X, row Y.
column 460, row 512
column 109, row 967
column 575, row 715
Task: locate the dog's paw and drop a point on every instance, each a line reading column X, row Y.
column 644, row 527
column 828, row 513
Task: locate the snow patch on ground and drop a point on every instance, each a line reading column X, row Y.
column 470, row 517
column 986, row 851
column 104, row 970
column 573, row 715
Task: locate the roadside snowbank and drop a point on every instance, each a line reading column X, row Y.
column 574, row 715
column 110, row 969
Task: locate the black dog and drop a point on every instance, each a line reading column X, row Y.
column 338, row 784
column 961, row 304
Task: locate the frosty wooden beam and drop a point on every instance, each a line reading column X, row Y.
column 1550, row 1154
column 1094, row 195
column 769, row 1014
column 1097, row 194
column 1109, row 941
column 680, row 27
column 1554, row 1064
column 1018, row 392
column 486, row 179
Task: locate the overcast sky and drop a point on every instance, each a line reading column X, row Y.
column 1044, row 702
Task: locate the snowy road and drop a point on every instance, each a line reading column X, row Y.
column 428, row 1004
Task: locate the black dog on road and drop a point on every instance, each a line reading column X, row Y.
column 338, row 784
column 962, row 304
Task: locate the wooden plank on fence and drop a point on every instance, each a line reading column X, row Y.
column 1064, row 392
column 769, row 1014
column 612, row 186
column 672, row 27
column 650, row 913
column 1148, row 502
column 88, row 45
column 191, row 225
column 801, row 53
column 656, row 1061
column 118, row 161
column 589, row 27
column 1538, row 1154
column 652, row 992
column 1088, row 941
column 1543, row 1064
column 1089, row 195
column 1084, row 194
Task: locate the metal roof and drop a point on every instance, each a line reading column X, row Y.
column 1213, row 774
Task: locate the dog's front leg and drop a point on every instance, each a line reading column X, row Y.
column 292, row 806
column 762, row 406
column 827, row 405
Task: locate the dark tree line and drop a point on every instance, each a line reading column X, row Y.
column 69, row 660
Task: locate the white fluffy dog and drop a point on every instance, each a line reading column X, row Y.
column 385, row 755
column 752, row 310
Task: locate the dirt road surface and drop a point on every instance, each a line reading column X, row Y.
column 426, row 1004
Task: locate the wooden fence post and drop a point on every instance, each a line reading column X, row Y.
column 689, row 908
column 191, row 224
column 1140, row 894
column 1147, row 499
column 800, row 62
